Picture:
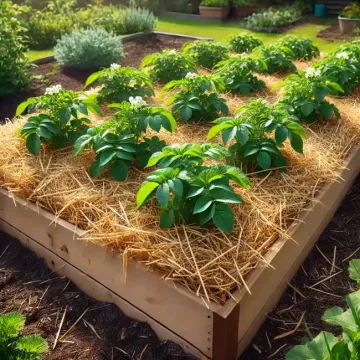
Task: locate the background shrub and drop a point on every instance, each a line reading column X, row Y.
column 89, row 49
column 138, row 20
column 15, row 69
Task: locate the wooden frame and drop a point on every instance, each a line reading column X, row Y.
column 209, row 332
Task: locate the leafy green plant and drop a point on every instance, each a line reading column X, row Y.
column 243, row 3
column 236, row 73
column 352, row 11
column 16, row 347
column 215, row 3
column 15, row 69
column 121, row 83
column 197, row 97
column 206, row 53
column 243, row 43
column 168, row 65
column 273, row 18
column 303, row 49
column 251, row 130
column 90, row 49
column 61, row 120
column 119, row 142
column 326, row 346
column 189, row 192
column 276, row 59
column 305, row 94
column 343, row 68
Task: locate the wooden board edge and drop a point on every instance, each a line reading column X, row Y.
column 351, row 170
column 271, row 301
column 97, row 291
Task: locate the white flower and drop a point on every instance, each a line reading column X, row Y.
column 311, row 72
column 115, row 67
column 137, row 102
column 190, row 75
column 172, row 52
column 342, row 55
column 53, row 90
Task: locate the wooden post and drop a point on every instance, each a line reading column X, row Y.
column 225, row 335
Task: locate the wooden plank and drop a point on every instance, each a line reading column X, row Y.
column 286, row 256
column 174, row 307
column 225, row 340
column 95, row 289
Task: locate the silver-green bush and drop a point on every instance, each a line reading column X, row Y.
column 138, row 20
column 89, row 49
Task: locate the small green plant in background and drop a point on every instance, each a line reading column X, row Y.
column 243, row 43
column 215, row 3
column 197, row 97
column 326, row 346
column 276, row 59
column 62, row 121
column 121, row 83
column 189, row 192
column 16, row 347
column 259, row 130
column 120, row 142
column 236, row 73
column 243, row 3
column 305, row 94
column 89, row 49
column 303, row 49
column 15, row 68
column 168, row 65
column 206, row 53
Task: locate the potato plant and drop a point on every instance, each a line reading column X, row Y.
column 236, row 73
column 277, row 59
column 120, row 142
column 303, row 49
column 63, row 118
column 197, row 97
column 341, row 68
column 305, row 94
column 327, row 346
column 257, row 133
column 168, row 65
column 120, row 83
column 206, row 53
column 187, row 191
column 243, row 43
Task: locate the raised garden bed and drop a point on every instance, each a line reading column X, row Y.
column 177, row 309
column 205, row 330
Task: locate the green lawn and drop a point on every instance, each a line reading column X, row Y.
column 221, row 31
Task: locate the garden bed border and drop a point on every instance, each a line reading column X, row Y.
column 209, row 331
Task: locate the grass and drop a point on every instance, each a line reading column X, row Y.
column 221, row 31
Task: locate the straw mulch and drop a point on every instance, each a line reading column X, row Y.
column 207, row 261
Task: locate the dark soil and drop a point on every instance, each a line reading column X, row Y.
column 333, row 33
column 52, row 73
column 103, row 333
column 339, row 243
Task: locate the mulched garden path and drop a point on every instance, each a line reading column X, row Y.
column 339, row 243
column 52, row 73
column 103, row 333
